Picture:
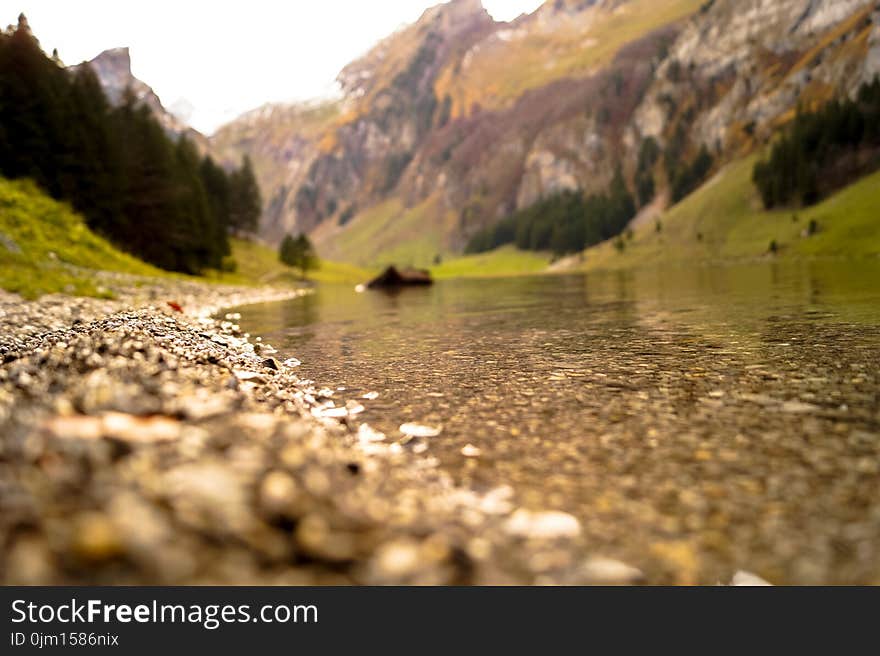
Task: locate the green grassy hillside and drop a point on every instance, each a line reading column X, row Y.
column 387, row 233
column 724, row 220
column 504, row 261
column 258, row 264
column 45, row 247
column 721, row 221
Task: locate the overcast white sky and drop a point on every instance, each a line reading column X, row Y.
column 228, row 56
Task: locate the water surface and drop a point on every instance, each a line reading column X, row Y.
column 695, row 421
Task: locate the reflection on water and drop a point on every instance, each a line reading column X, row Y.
column 720, row 418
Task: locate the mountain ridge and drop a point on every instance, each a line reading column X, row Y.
column 455, row 121
column 113, row 68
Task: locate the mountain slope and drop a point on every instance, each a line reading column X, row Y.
column 560, row 39
column 282, row 141
column 724, row 220
column 453, row 123
column 44, row 246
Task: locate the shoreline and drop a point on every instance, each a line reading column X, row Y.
column 141, row 445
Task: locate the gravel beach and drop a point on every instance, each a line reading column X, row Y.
column 144, row 445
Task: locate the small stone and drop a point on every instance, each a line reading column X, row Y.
column 96, row 538
column 77, row 427
column 606, row 571
column 367, row 434
column 398, row 559
column 270, row 363
column 278, row 492
column 140, row 429
column 329, row 412
column 354, row 408
column 420, row 430
column 245, row 375
column 29, row 562
column 471, row 451
column 797, row 407
column 543, row 525
column 745, row 579
column 497, row 501
column 316, row 538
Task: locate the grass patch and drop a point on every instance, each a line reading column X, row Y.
column 389, row 233
column 258, row 264
column 45, row 247
column 724, row 221
column 503, row 261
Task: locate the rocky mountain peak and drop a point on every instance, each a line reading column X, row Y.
column 118, row 59
column 113, row 68
column 460, row 10
column 440, row 27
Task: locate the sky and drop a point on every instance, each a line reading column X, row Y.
column 225, row 57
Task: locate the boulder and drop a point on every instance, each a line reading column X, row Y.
column 394, row 277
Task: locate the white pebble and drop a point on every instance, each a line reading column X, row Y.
column 546, row 524
column 420, row 430
column 471, row 451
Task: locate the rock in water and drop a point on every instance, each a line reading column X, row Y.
column 394, row 277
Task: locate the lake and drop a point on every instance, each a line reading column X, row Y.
column 698, row 420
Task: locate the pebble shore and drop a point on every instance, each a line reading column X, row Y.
column 144, row 445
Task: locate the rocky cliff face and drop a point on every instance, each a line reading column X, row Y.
column 392, row 109
column 455, row 121
column 113, row 68
column 283, row 142
column 747, row 66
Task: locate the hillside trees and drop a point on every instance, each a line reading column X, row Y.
column 565, row 222
column 649, row 153
column 147, row 191
column 822, row 151
column 299, row 253
column 245, row 203
column 690, row 176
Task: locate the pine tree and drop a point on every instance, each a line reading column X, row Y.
column 246, row 205
column 299, row 253
column 287, row 252
column 218, row 189
column 133, row 183
column 815, row 143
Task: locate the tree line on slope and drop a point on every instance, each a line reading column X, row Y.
column 149, row 193
column 822, row 151
column 569, row 221
column 565, row 222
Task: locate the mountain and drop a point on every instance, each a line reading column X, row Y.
column 113, row 68
column 283, row 141
column 453, row 123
